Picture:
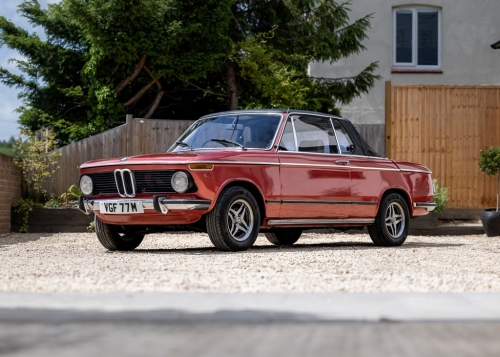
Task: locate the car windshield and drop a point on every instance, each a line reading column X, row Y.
column 249, row 131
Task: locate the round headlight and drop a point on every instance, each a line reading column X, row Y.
column 180, row 181
column 86, row 185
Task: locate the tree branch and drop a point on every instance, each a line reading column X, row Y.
column 158, row 84
column 140, row 93
column 154, row 106
column 199, row 88
column 132, row 76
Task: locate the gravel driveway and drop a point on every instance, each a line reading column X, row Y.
column 71, row 262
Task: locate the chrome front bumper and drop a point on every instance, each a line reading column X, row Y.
column 429, row 206
column 158, row 203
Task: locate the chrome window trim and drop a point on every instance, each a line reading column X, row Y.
column 292, row 120
column 336, row 138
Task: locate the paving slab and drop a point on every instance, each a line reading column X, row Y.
column 251, row 307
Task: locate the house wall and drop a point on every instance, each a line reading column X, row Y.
column 468, row 28
column 10, row 190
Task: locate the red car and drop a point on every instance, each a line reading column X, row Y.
column 235, row 174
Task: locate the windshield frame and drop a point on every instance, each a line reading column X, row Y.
column 232, row 148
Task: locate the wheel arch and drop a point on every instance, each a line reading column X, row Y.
column 252, row 188
column 401, row 192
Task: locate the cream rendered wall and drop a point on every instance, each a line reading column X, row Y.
column 468, row 28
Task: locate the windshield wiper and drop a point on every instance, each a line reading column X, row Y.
column 225, row 142
column 184, row 145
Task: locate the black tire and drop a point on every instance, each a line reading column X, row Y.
column 391, row 223
column 115, row 237
column 284, row 236
column 233, row 224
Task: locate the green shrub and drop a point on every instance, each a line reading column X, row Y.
column 25, row 206
column 73, row 193
column 36, row 159
column 440, row 196
column 489, row 163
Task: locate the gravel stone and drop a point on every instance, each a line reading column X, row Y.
column 76, row 262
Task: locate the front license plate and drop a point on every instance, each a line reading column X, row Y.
column 121, row 207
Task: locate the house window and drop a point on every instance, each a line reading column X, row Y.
column 417, row 38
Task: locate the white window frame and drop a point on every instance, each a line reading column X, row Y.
column 414, row 64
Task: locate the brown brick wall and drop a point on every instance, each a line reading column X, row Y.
column 10, row 190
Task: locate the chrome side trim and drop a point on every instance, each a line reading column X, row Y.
column 429, row 206
column 147, row 204
column 295, row 222
column 348, row 167
column 305, row 202
column 164, row 162
column 416, row 171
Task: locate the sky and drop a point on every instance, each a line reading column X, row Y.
column 8, row 96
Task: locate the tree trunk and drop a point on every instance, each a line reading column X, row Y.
column 137, row 70
column 232, row 87
column 154, row 105
column 141, row 92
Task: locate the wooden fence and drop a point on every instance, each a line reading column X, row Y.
column 444, row 127
column 137, row 136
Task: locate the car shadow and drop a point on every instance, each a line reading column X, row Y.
column 295, row 247
column 18, row 238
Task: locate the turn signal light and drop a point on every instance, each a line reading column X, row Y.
column 201, row 166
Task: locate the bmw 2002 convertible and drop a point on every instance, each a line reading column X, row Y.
column 235, row 174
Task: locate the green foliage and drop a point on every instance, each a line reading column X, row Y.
column 440, row 197
column 36, row 159
column 25, row 206
column 73, row 193
column 53, row 202
column 489, row 163
column 91, row 227
column 275, row 41
column 101, row 59
column 6, row 147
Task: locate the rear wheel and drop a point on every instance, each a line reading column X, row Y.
column 115, row 237
column 392, row 222
column 284, row 236
column 233, row 224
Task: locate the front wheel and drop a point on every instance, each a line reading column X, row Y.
column 391, row 223
column 233, row 224
column 115, row 237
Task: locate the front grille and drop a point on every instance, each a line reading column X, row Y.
column 153, row 181
column 146, row 181
column 103, row 182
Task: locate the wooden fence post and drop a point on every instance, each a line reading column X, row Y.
column 129, row 119
column 388, row 117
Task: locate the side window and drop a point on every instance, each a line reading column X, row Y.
column 345, row 142
column 287, row 142
column 315, row 134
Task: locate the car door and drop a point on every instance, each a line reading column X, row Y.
column 370, row 176
column 315, row 180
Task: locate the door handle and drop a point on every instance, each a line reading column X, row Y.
column 342, row 162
